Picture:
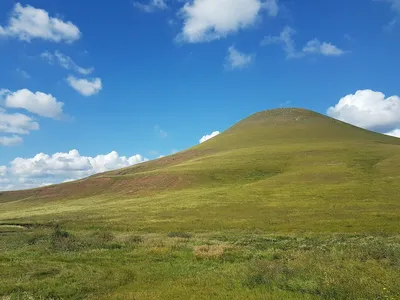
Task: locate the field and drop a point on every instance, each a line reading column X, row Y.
column 287, row 204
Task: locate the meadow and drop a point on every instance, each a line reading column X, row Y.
column 286, row 204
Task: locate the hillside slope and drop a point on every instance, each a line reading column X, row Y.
column 274, row 159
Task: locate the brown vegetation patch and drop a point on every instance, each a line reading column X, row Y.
column 81, row 189
column 109, row 181
column 143, row 184
column 162, row 162
column 210, row 251
column 140, row 184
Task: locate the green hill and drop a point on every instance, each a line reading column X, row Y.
column 286, row 204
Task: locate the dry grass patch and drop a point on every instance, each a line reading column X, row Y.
column 210, row 251
column 160, row 250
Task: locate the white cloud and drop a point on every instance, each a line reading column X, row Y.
column 42, row 104
column 312, row 47
column 207, row 20
column 272, row 7
column 65, row 61
column 237, row 60
column 209, row 136
column 44, row 169
column 48, row 56
column 10, row 140
column 4, row 182
column 17, row 123
column 368, row 109
column 112, row 161
column 316, row 47
column 286, row 40
column 23, row 73
column 395, row 133
column 151, row 5
column 348, row 37
column 27, row 23
column 395, row 4
column 68, row 180
column 389, row 27
column 86, row 87
column 3, row 170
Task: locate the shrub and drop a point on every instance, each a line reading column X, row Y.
column 135, row 239
column 105, row 236
column 59, row 234
column 62, row 240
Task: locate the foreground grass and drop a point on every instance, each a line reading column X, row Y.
column 51, row 263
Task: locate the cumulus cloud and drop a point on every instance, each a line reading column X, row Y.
column 112, row 161
column 27, row 23
column 207, row 20
column 151, row 5
column 369, row 109
column 3, row 171
column 44, row 169
column 65, row 61
column 286, row 40
column 316, row 47
column 395, row 133
column 10, row 140
column 237, row 60
column 86, row 87
column 17, row 123
column 209, row 136
column 39, row 103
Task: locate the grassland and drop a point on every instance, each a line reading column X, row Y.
column 287, row 204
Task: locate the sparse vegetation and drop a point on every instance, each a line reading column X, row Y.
column 210, row 251
column 183, row 235
column 287, row 204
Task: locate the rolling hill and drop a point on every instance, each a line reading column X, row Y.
column 265, row 209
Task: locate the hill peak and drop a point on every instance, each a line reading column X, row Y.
column 278, row 116
column 285, row 114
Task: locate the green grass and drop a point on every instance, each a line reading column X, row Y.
column 287, row 204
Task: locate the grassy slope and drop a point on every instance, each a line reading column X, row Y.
column 285, row 204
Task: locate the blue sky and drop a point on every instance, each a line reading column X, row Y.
column 150, row 78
